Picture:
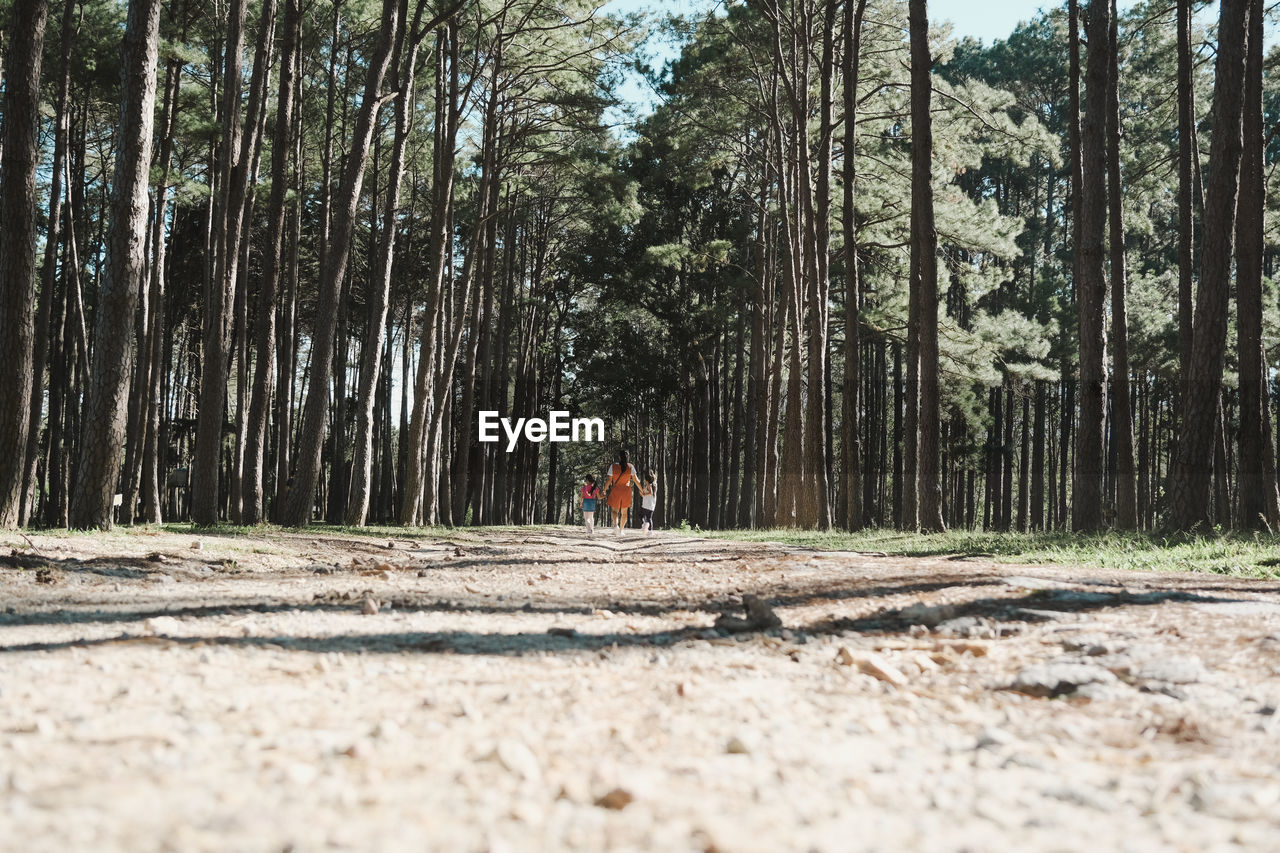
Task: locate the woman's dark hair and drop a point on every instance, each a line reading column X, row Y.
column 591, row 479
column 622, row 458
column 649, row 476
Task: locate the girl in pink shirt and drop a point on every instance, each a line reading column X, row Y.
column 590, row 494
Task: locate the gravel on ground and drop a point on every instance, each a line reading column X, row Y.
column 536, row 689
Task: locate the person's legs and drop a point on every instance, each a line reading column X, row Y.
column 589, row 521
column 622, row 518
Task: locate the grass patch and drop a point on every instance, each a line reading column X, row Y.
column 1239, row 555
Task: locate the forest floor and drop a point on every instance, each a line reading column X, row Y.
column 533, row 689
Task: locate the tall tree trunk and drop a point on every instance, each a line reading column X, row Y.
column 1024, row 463
column 1186, row 195
column 925, row 243
column 1257, row 466
column 206, row 467
column 818, row 231
column 464, row 446
column 468, row 469
column 18, row 160
column 1121, row 413
column 1066, row 410
column 246, row 181
column 853, row 520
column 1091, row 284
column 154, row 447
column 49, row 272
column 1191, row 471
column 378, row 300
column 253, row 503
column 108, row 393
column 141, row 473
column 1038, row 449
column 287, row 362
column 424, row 412
column 298, row 507
column 753, row 461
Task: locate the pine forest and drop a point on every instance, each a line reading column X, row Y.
column 268, row 261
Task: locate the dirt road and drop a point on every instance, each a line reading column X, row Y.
column 534, row 690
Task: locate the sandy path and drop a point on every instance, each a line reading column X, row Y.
column 515, row 688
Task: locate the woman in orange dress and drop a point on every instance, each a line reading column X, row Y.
column 622, row 476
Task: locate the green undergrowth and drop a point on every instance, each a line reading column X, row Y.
column 1240, row 555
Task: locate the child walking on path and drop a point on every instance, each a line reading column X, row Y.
column 590, row 494
column 648, row 500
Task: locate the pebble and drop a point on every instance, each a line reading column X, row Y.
column 1185, row 670
column 976, row 648
column 369, row 607
column 872, row 664
column 1093, row 644
column 990, row 736
column 158, row 625
column 1024, row 582
column 1234, row 801
column 968, row 627
column 735, row 746
column 925, row 614
column 517, row 758
column 1098, row 692
column 1058, row 679
column 616, row 799
column 877, row 667
column 1082, row 796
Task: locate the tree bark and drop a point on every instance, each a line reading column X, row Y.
column 19, row 156
column 852, row 427
column 1121, row 413
column 1256, row 492
column 379, row 299
column 757, row 394
column 48, row 276
column 206, row 466
column 154, row 447
column 925, row 243
column 253, row 508
column 1191, row 471
column 818, row 234
column 301, row 500
column 1186, row 180
column 108, row 393
column 1091, row 284
column 446, row 127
